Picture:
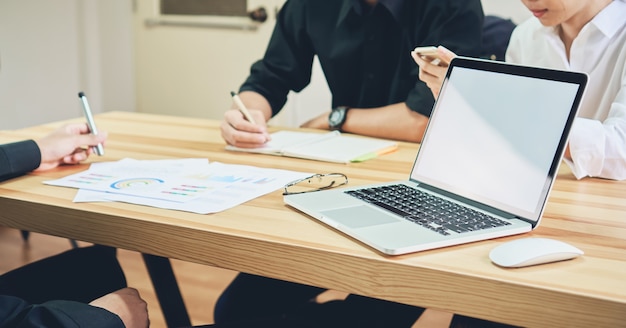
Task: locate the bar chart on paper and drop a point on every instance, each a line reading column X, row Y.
column 193, row 185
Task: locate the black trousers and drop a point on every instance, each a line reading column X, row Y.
column 80, row 274
column 255, row 301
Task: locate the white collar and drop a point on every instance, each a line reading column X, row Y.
column 608, row 21
column 611, row 19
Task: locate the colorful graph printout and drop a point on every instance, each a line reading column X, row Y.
column 128, row 177
column 192, row 185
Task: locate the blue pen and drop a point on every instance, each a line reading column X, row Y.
column 90, row 122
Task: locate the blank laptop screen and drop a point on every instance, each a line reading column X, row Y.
column 492, row 137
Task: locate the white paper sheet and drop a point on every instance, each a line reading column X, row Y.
column 192, row 185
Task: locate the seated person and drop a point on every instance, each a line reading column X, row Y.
column 83, row 287
column 362, row 46
column 589, row 37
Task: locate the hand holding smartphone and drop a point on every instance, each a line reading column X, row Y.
column 430, row 54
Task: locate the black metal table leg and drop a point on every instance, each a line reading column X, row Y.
column 167, row 291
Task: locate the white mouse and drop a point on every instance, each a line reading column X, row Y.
column 532, row 251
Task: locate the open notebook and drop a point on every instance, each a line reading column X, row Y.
column 484, row 169
column 329, row 147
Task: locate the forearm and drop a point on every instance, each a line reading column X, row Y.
column 395, row 121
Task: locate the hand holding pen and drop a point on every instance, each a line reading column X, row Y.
column 242, row 108
column 246, row 128
column 66, row 145
column 92, row 124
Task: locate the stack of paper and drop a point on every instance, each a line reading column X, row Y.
column 192, row 185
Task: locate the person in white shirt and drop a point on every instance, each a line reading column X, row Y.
column 576, row 35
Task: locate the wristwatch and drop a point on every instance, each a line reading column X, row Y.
column 337, row 117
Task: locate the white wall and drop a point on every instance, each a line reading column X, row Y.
column 512, row 9
column 50, row 50
column 109, row 47
column 189, row 70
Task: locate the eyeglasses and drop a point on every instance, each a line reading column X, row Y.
column 315, row 182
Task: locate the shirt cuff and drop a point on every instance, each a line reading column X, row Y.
column 20, row 157
column 586, row 148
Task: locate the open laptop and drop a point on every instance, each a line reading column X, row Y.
column 484, row 169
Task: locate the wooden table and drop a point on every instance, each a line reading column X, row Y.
column 265, row 237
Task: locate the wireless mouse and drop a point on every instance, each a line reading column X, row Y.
column 532, row 251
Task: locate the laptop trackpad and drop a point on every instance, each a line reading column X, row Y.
column 359, row 216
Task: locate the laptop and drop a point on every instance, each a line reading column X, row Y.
column 484, row 169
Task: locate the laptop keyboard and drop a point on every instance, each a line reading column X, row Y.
column 432, row 212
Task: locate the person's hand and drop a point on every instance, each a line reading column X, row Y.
column 126, row 304
column 567, row 154
column 237, row 131
column 319, row 122
column 69, row 144
column 431, row 74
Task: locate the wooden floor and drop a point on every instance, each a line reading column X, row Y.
column 200, row 285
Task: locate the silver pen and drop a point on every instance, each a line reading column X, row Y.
column 90, row 122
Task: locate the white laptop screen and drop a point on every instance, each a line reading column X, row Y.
column 493, row 136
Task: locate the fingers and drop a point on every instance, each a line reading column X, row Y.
column 418, row 60
column 79, row 155
column 90, row 139
column 75, row 128
column 82, row 129
column 80, row 135
column 70, row 144
column 127, row 304
column 431, row 74
column 445, row 54
column 236, row 119
column 428, row 66
column 239, row 132
column 242, row 139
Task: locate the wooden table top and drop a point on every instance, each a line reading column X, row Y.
column 266, row 237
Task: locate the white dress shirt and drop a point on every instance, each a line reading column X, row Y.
column 598, row 138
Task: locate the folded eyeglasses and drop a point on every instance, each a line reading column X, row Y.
column 315, row 182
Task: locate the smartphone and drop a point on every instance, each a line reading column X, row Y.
column 429, row 53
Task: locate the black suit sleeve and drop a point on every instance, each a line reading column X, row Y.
column 15, row 312
column 18, row 158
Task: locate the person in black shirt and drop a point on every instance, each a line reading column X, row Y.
column 56, row 292
column 364, row 49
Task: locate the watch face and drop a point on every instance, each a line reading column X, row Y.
column 335, row 117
